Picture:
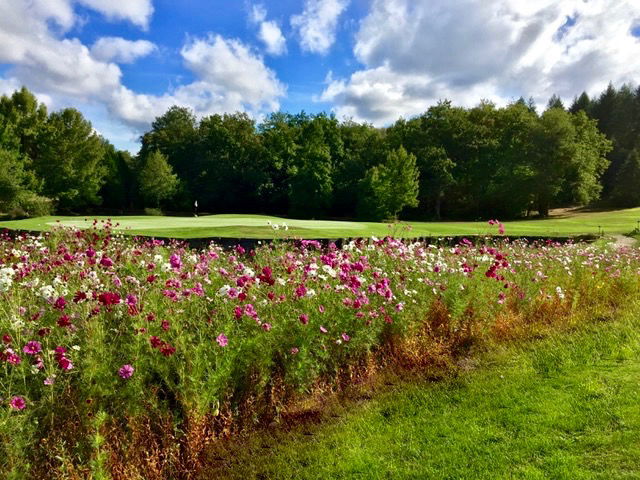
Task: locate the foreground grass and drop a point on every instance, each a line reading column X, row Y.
column 563, row 407
column 255, row 226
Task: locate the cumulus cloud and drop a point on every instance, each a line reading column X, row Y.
column 415, row 52
column 272, row 37
column 137, row 12
column 316, row 25
column 228, row 75
column 269, row 31
column 119, row 50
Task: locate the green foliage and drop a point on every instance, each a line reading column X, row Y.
column 156, row 179
column 390, row 187
column 475, row 162
column 312, row 183
column 627, row 190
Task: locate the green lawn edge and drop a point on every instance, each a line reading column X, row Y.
column 565, row 407
column 256, row 226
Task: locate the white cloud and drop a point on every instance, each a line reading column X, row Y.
column 415, row 52
column 258, row 13
column 119, row 50
column 137, row 12
column 228, row 75
column 269, row 31
column 229, row 65
column 317, row 24
column 272, row 37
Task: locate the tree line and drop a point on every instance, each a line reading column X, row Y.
column 449, row 162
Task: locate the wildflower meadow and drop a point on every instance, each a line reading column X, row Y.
column 126, row 358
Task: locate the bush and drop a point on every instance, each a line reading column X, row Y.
column 153, row 212
column 28, row 204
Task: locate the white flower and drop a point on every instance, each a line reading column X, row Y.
column 166, row 267
column 224, row 291
column 158, row 258
column 311, row 292
column 329, row 271
column 248, row 272
column 47, row 292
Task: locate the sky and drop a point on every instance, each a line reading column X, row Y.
column 122, row 63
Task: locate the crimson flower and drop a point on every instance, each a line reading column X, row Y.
column 18, row 403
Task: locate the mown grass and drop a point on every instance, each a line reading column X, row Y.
column 565, row 407
column 255, row 226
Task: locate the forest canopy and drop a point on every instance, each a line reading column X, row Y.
column 448, row 162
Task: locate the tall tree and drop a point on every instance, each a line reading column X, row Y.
column 627, row 187
column 71, row 160
column 555, row 102
column 581, row 103
column 312, row 181
column 156, row 179
column 390, row 187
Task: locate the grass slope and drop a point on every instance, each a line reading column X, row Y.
column 565, row 408
column 255, row 226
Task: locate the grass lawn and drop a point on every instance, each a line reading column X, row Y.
column 566, row 407
column 255, row 226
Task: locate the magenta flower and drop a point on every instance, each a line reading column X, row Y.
column 64, row 363
column 345, row 337
column 13, row 359
column 304, row 318
column 126, row 371
column 175, row 261
column 32, row 348
column 301, row 291
column 222, row 340
column 106, row 262
column 18, row 403
column 132, row 300
column 60, row 303
column 266, row 326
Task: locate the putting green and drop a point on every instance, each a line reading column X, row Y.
column 562, row 223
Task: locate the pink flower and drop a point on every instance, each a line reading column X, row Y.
column 175, row 261
column 18, row 403
column 345, row 337
column 266, row 326
column 501, row 229
column 49, row 381
column 60, row 303
column 295, row 350
column 64, row 363
column 323, row 330
column 13, row 359
column 321, row 308
column 32, row 348
column 222, row 340
column 301, row 291
column 304, row 318
column 106, row 262
column 126, row 371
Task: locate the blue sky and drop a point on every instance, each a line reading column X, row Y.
column 124, row 63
